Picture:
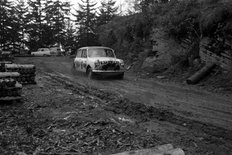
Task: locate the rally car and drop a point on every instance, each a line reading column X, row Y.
column 98, row 60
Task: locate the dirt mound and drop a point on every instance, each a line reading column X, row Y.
column 139, row 111
column 145, row 113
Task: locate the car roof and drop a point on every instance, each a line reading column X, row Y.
column 91, row 47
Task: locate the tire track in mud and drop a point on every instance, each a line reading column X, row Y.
column 140, row 111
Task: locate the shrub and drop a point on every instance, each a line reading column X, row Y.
column 192, row 19
column 127, row 35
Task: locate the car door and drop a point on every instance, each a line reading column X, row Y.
column 77, row 60
column 83, row 60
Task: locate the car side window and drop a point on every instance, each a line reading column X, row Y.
column 84, row 53
column 79, row 53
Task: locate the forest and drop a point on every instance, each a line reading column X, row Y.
column 39, row 23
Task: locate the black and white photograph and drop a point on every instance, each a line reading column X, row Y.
column 115, row 77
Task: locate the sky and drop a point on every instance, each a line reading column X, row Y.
column 77, row 1
column 120, row 3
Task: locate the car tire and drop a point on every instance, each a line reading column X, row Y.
column 89, row 73
column 121, row 76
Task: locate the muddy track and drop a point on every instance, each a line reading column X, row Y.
column 189, row 102
column 140, row 111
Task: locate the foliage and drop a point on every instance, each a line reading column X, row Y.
column 86, row 23
column 21, row 13
column 217, row 16
column 192, row 19
column 178, row 18
column 57, row 13
column 39, row 23
column 107, row 12
column 69, row 42
column 127, row 35
column 47, row 22
column 33, row 24
column 6, row 21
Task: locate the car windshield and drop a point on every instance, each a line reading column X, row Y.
column 100, row 52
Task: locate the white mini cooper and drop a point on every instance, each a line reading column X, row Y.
column 98, row 60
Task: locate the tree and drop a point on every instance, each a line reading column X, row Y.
column 36, row 23
column 70, row 42
column 107, row 12
column 136, row 6
column 56, row 14
column 21, row 13
column 14, row 27
column 86, row 23
column 5, row 23
column 47, row 24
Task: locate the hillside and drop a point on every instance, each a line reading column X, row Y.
column 166, row 38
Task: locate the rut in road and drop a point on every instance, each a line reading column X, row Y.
column 140, row 111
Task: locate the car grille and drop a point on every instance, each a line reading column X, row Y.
column 110, row 66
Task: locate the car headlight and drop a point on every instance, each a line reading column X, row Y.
column 97, row 64
column 122, row 63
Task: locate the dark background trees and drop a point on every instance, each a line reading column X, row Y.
column 86, row 23
column 57, row 13
column 180, row 20
column 107, row 12
column 6, row 22
column 21, row 14
column 42, row 23
column 47, row 22
column 37, row 23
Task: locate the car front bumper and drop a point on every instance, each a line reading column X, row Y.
column 108, row 73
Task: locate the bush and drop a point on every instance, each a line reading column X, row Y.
column 191, row 19
column 127, row 35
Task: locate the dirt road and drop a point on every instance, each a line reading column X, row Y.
column 191, row 103
column 200, row 122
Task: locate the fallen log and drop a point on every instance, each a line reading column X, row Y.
column 195, row 78
column 159, row 150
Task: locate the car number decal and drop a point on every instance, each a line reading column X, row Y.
column 83, row 65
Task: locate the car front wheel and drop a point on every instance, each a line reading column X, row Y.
column 121, row 76
column 89, row 73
